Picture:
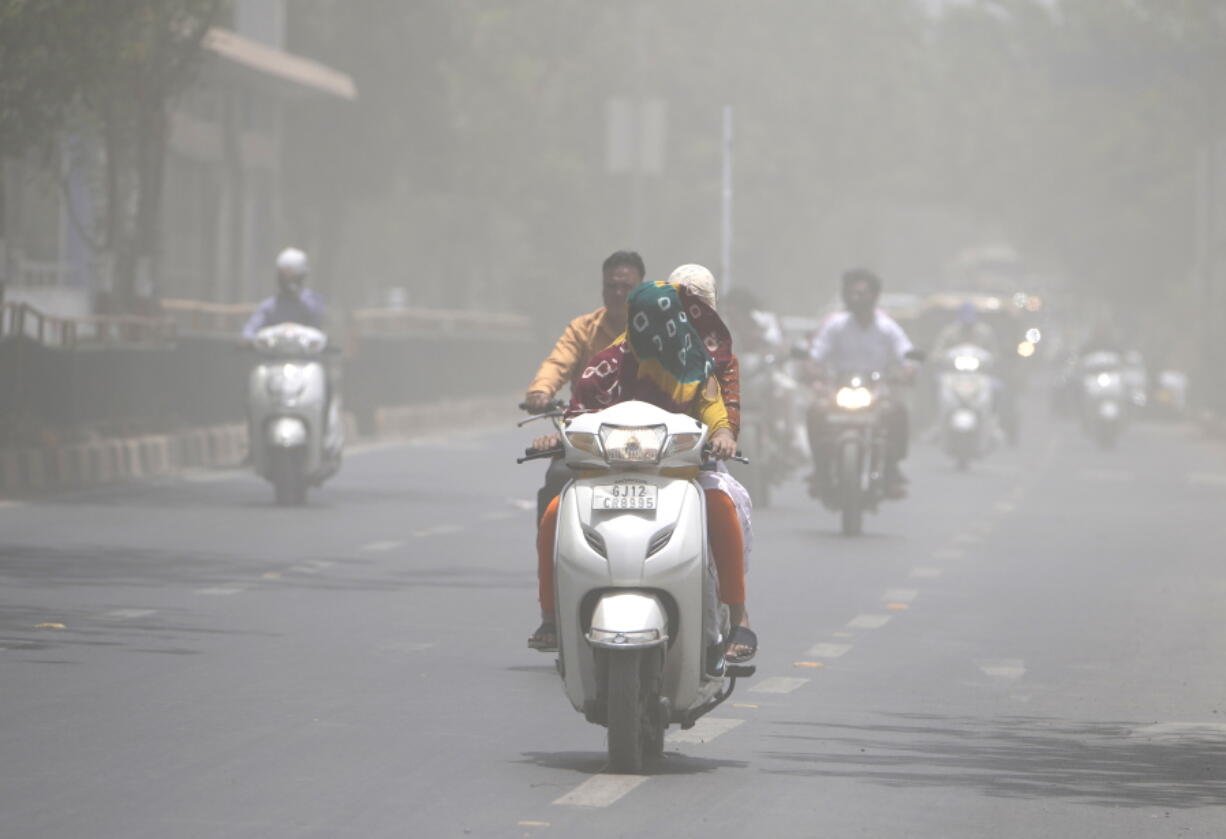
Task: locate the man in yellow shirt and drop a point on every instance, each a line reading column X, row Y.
column 585, row 336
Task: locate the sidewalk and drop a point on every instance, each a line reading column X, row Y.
column 32, row 471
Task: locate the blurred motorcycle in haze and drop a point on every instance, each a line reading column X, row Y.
column 296, row 433
column 1104, row 397
column 966, row 401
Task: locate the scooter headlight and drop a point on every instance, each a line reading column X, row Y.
column 966, row 363
column 633, row 444
column 853, row 398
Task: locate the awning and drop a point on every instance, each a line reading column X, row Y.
column 277, row 64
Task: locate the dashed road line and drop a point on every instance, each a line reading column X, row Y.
column 1200, row 733
column 128, row 614
column 221, row 591
column 948, row 553
column 924, row 573
column 8, row 505
column 497, row 515
column 869, row 621
column 311, row 566
column 438, row 530
column 1004, row 507
column 1009, row 669
column 601, row 790
column 900, row 595
column 828, row 650
column 778, row 684
column 967, row 539
column 704, row 731
column 385, row 545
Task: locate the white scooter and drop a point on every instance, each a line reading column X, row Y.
column 296, row 431
column 969, row 425
column 641, row 631
column 1103, row 397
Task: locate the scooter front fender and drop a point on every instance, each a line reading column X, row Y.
column 628, row 619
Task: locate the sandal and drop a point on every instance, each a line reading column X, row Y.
column 742, row 636
column 545, row 638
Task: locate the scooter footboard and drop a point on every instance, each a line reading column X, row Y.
column 626, row 619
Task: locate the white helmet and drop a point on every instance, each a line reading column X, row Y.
column 697, row 279
column 292, row 262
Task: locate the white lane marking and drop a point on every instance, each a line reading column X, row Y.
column 522, row 503
column 1005, row 506
column 5, row 505
column 704, row 731
column 1115, row 475
column 600, row 790
column 925, row 573
column 967, row 539
column 497, row 515
column 1010, row 669
column 899, row 595
column 312, row 566
column 778, row 684
column 1198, row 731
column 949, row 553
column 438, row 530
column 828, row 650
column 1206, row 479
column 210, row 477
column 129, row 614
column 869, row 621
column 221, row 591
column 842, row 635
column 386, row 545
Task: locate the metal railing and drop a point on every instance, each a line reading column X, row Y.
column 22, row 319
column 200, row 316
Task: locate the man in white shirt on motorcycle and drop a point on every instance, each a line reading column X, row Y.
column 861, row 339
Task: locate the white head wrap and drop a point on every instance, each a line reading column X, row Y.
column 697, row 279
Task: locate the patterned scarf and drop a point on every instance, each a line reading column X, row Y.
column 619, row 372
column 669, row 350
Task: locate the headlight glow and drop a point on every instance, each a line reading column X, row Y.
column 633, row 444
column 1025, row 349
column 853, row 398
column 966, row 363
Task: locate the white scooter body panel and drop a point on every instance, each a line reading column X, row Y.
column 602, row 555
column 287, row 394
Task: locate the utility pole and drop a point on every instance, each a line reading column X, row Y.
column 725, row 243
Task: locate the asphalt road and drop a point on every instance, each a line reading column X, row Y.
column 1037, row 648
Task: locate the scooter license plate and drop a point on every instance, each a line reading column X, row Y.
column 630, row 495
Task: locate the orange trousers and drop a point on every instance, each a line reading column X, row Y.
column 723, row 534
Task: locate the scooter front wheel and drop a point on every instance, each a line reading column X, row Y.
column 635, row 729
column 289, row 485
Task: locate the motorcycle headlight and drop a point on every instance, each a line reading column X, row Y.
column 286, row 381
column 966, row 363
column 853, row 398
column 633, row 444
column 1106, row 380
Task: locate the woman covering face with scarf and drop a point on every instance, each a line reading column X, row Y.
column 662, row 360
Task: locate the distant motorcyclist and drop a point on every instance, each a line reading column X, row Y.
column 861, row 338
column 967, row 328
column 293, row 302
